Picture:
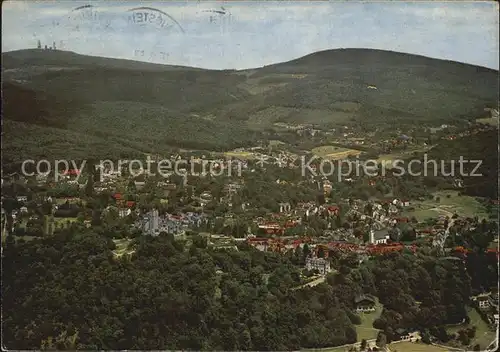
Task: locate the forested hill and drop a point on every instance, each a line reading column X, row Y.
column 66, row 292
column 481, row 147
column 74, row 102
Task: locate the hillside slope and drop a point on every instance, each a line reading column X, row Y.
column 483, row 148
column 149, row 107
column 386, row 85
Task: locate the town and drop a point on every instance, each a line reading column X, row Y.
column 270, row 207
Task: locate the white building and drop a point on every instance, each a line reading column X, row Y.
column 124, row 212
column 483, row 300
column 285, row 207
column 379, row 237
column 320, row 264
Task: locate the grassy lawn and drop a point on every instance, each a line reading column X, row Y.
column 121, row 247
column 63, row 221
column 391, row 156
column 26, row 238
column 406, row 346
column 421, row 214
column 465, row 206
column 333, row 152
column 366, row 329
column 488, row 121
column 60, row 201
column 243, row 155
column 275, row 142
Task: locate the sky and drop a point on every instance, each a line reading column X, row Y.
column 244, row 35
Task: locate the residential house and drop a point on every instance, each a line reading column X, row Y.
column 24, row 209
column 285, row 207
column 403, row 334
column 393, row 209
column 332, row 209
column 124, row 212
column 483, row 301
column 365, row 303
column 139, row 185
column 167, row 185
column 41, row 179
column 205, row 198
column 272, row 228
column 22, row 198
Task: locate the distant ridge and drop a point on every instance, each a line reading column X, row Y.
column 341, row 55
column 69, row 102
column 371, row 56
column 12, row 59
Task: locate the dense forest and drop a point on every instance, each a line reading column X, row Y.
column 69, row 291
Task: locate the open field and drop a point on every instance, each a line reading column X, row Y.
column 366, row 329
column 450, row 203
column 63, row 221
column 275, row 142
column 333, row 152
column 421, row 214
column 242, row 155
column 406, row 346
column 262, row 84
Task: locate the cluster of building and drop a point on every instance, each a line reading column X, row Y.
column 152, row 223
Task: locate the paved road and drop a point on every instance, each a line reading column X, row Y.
column 313, row 283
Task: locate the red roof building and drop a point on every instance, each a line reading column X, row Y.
column 402, row 220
